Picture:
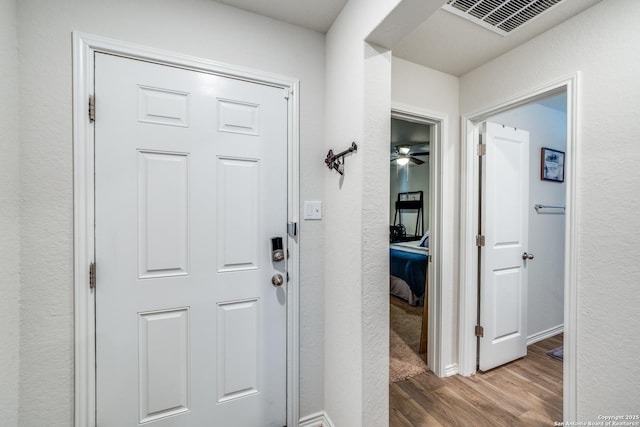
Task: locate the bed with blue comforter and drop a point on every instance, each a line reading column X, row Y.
column 409, row 265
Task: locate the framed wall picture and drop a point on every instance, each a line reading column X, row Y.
column 552, row 165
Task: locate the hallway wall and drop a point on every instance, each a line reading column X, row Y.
column 9, row 215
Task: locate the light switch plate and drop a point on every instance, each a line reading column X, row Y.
column 312, row 210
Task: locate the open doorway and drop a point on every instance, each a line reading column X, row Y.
column 543, row 221
column 521, row 231
column 536, row 311
column 470, row 253
column 409, row 246
column 430, row 128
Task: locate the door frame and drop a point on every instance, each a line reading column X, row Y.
column 439, row 296
column 84, row 47
column 469, row 205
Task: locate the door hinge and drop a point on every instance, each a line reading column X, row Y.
column 479, row 331
column 292, row 229
column 92, row 275
column 92, row 108
column 480, row 240
column 482, row 150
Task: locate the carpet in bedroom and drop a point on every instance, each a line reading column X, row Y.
column 406, row 320
column 404, row 341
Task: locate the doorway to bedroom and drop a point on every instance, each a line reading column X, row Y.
column 409, row 208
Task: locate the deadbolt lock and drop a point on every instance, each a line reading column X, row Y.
column 277, row 253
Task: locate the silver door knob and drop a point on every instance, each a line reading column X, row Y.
column 277, row 280
column 527, row 256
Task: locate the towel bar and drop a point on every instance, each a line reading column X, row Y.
column 539, row 207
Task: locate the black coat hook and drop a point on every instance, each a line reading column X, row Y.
column 336, row 161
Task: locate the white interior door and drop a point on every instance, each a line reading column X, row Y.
column 505, row 224
column 190, row 188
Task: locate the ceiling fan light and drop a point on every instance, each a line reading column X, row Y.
column 404, row 150
column 402, row 160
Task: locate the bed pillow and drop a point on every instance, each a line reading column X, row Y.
column 424, row 242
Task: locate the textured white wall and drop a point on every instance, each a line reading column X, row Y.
column 375, row 238
column 432, row 91
column 9, row 215
column 356, row 273
column 602, row 43
column 343, row 228
column 547, row 128
column 194, row 27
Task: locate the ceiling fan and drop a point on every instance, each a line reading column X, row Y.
column 403, row 155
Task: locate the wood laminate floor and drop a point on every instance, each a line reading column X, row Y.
column 526, row 392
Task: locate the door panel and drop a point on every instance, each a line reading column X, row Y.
column 163, row 348
column 163, row 214
column 504, row 223
column 238, row 354
column 190, row 188
column 239, row 215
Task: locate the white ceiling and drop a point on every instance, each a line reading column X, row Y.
column 317, row 15
column 451, row 44
column 444, row 42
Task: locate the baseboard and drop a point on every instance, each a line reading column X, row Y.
column 532, row 339
column 319, row 419
column 450, row 370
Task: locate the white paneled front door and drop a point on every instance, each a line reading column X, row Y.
column 505, row 225
column 190, row 187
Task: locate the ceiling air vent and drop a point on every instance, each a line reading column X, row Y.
column 500, row 16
